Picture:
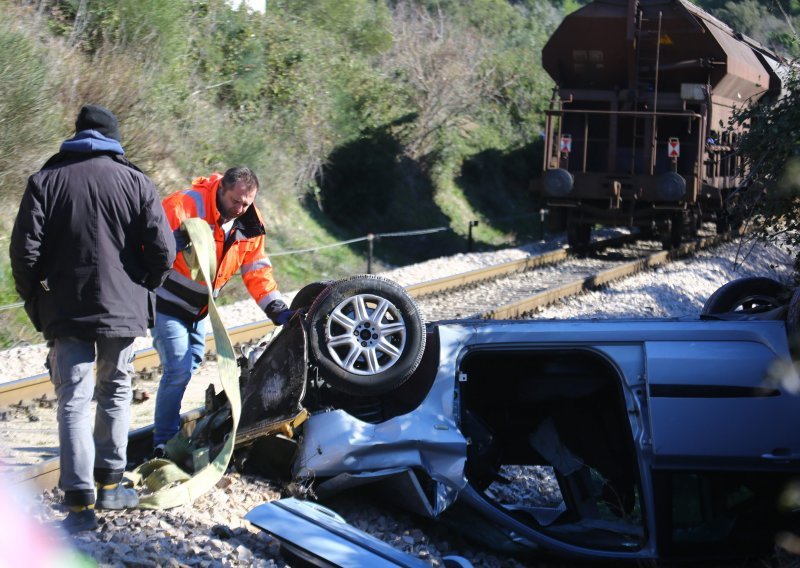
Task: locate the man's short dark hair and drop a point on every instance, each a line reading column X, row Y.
column 241, row 173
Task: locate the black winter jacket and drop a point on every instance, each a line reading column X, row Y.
column 89, row 244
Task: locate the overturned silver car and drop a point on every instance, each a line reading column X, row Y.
column 634, row 439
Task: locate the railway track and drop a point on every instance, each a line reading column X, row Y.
column 146, row 362
column 505, row 291
column 516, row 295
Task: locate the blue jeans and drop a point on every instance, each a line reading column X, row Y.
column 91, row 455
column 180, row 346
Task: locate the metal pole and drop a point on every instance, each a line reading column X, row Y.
column 469, row 234
column 542, row 213
column 654, row 134
column 585, row 141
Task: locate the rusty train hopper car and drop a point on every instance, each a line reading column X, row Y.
column 638, row 132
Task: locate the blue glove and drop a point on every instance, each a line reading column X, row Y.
column 181, row 239
column 284, row 316
column 278, row 312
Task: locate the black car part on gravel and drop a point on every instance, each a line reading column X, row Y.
column 756, row 296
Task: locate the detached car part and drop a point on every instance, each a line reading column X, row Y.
column 320, row 537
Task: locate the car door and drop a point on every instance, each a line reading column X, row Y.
column 725, row 438
column 714, row 400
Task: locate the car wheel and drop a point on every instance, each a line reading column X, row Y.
column 366, row 335
column 746, row 296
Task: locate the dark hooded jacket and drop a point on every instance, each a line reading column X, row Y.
column 90, row 243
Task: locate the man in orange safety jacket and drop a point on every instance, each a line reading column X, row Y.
column 226, row 202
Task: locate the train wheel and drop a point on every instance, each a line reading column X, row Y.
column 673, row 230
column 723, row 225
column 695, row 221
column 729, row 220
column 681, row 227
column 579, row 235
column 665, row 234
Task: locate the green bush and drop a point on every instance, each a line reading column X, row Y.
column 29, row 121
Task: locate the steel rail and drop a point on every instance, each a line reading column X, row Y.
column 145, row 360
column 525, row 306
column 494, row 272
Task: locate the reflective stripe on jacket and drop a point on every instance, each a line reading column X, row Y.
column 242, row 250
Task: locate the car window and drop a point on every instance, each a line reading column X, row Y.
column 724, row 512
column 551, row 444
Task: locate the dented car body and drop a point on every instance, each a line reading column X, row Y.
column 629, row 439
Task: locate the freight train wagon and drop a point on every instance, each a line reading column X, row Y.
column 637, row 134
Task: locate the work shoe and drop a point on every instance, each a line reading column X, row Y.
column 79, row 521
column 120, row 497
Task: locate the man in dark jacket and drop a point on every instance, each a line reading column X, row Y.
column 89, row 245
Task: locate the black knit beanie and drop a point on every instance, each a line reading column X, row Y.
column 95, row 117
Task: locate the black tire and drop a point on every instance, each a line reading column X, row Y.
column 372, row 352
column 746, row 296
column 308, row 293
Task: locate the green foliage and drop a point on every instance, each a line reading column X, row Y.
column 769, row 22
column 755, row 20
column 787, row 43
column 491, row 17
column 522, row 89
column 29, row 120
column 569, row 6
column 15, row 327
column 228, row 51
column 153, row 28
column 362, row 24
column 771, row 152
column 515, row 34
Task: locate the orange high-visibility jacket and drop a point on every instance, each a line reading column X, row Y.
column 243, row 250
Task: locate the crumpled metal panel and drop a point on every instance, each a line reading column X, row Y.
column 427, row 438
column 400, row 486
column 320, row 537
column 273, row 389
